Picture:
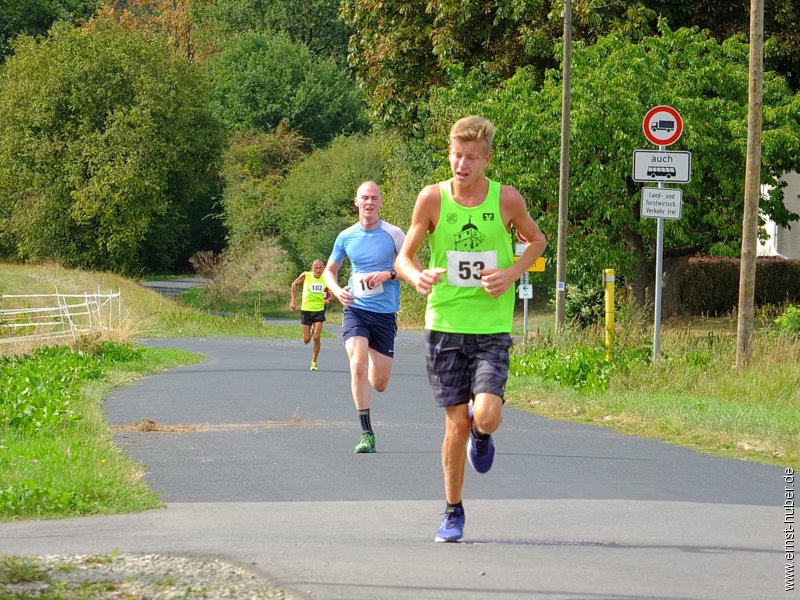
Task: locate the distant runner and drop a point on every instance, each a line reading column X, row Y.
column 312, row 308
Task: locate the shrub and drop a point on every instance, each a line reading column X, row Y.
column 37, row 391
column 789, row 321
column 585, row 305
column 582, row 367
column 254, row 167
column 710, row 285
column 315, row 202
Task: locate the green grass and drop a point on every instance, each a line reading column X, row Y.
column 692, row 396
column 245, row 310
column 17, row 569
column 67, row 464
column 74, row 467
column 145, row 313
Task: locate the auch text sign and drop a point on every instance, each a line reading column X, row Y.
column 662, row 203
column 675, row 167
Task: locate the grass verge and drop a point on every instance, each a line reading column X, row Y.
column 76, row 468
column 692, row 396
column 144, row 314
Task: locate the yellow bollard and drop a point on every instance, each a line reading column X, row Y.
column 608, row 285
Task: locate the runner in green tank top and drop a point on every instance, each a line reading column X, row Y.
column 312, row 306
column 470, row 288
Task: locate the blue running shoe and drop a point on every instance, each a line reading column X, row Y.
column 480, row 449
column 452, row 527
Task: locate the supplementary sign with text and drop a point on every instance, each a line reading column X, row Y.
column 675, row 167
column 662, row 203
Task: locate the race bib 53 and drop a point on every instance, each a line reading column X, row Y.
column 464, row 268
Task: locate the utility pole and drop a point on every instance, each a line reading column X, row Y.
column 752, row 187
column 563, row 189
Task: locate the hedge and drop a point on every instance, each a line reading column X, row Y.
column 710, row 285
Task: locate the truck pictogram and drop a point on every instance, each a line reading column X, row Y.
column 662, row 125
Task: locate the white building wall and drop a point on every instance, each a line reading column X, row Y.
column 784, row 241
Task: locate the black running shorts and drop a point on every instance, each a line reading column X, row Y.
column 461, row 365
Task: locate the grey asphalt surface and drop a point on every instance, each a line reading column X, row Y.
column 264, row 476
column 172, row 288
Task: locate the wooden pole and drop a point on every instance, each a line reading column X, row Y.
column 563, row 189
column 752, row 187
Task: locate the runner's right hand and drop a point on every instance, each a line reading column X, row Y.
column 345, row 297
column 427, row 279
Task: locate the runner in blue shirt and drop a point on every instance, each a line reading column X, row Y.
column 371, row 299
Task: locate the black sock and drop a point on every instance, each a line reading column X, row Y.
column 366, row 425
column 459, row 505
column 479, row 434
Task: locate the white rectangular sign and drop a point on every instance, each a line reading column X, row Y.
column 525, row 291
column 662, row 203
column 652, row 165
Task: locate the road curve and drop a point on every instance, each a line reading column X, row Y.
column 253, row 455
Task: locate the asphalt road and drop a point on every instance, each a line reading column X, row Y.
column 259, row 470
column 172, row 288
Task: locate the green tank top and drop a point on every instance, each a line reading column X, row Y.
column 465, row 240
column 313, row 293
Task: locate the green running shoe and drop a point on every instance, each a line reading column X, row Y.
column 366, row 445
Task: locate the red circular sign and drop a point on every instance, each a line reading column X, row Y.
column 521, row 238
column 662, row 125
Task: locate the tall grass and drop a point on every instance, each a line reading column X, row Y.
column 145, row 313
column 693, row 394
column 252, row 281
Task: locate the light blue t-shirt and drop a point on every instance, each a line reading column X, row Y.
column 371, row 251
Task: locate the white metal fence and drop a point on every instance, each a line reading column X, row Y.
column 45, row 316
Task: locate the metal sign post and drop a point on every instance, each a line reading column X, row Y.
column 659, row 280
column 525, row 290
column 662, row 126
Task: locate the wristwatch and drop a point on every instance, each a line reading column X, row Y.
column 392, row 274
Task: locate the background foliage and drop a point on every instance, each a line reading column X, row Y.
column 259, row 79
column 254, row 167
column 313, row 23
column 316, row 199
column 280, row 87
column 615, row 81
column 108, row 151
column 35, row 17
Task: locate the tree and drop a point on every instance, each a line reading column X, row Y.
column 402, row 48
column 613, row 84
column 35, row 17
column 171, row 19
column 260, row 78
column 313, row 23
column 255, row 166
column 315, row 202
column 108, row 152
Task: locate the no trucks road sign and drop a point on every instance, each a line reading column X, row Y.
column 662, row 125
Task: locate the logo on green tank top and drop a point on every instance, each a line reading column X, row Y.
column 469, row 238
